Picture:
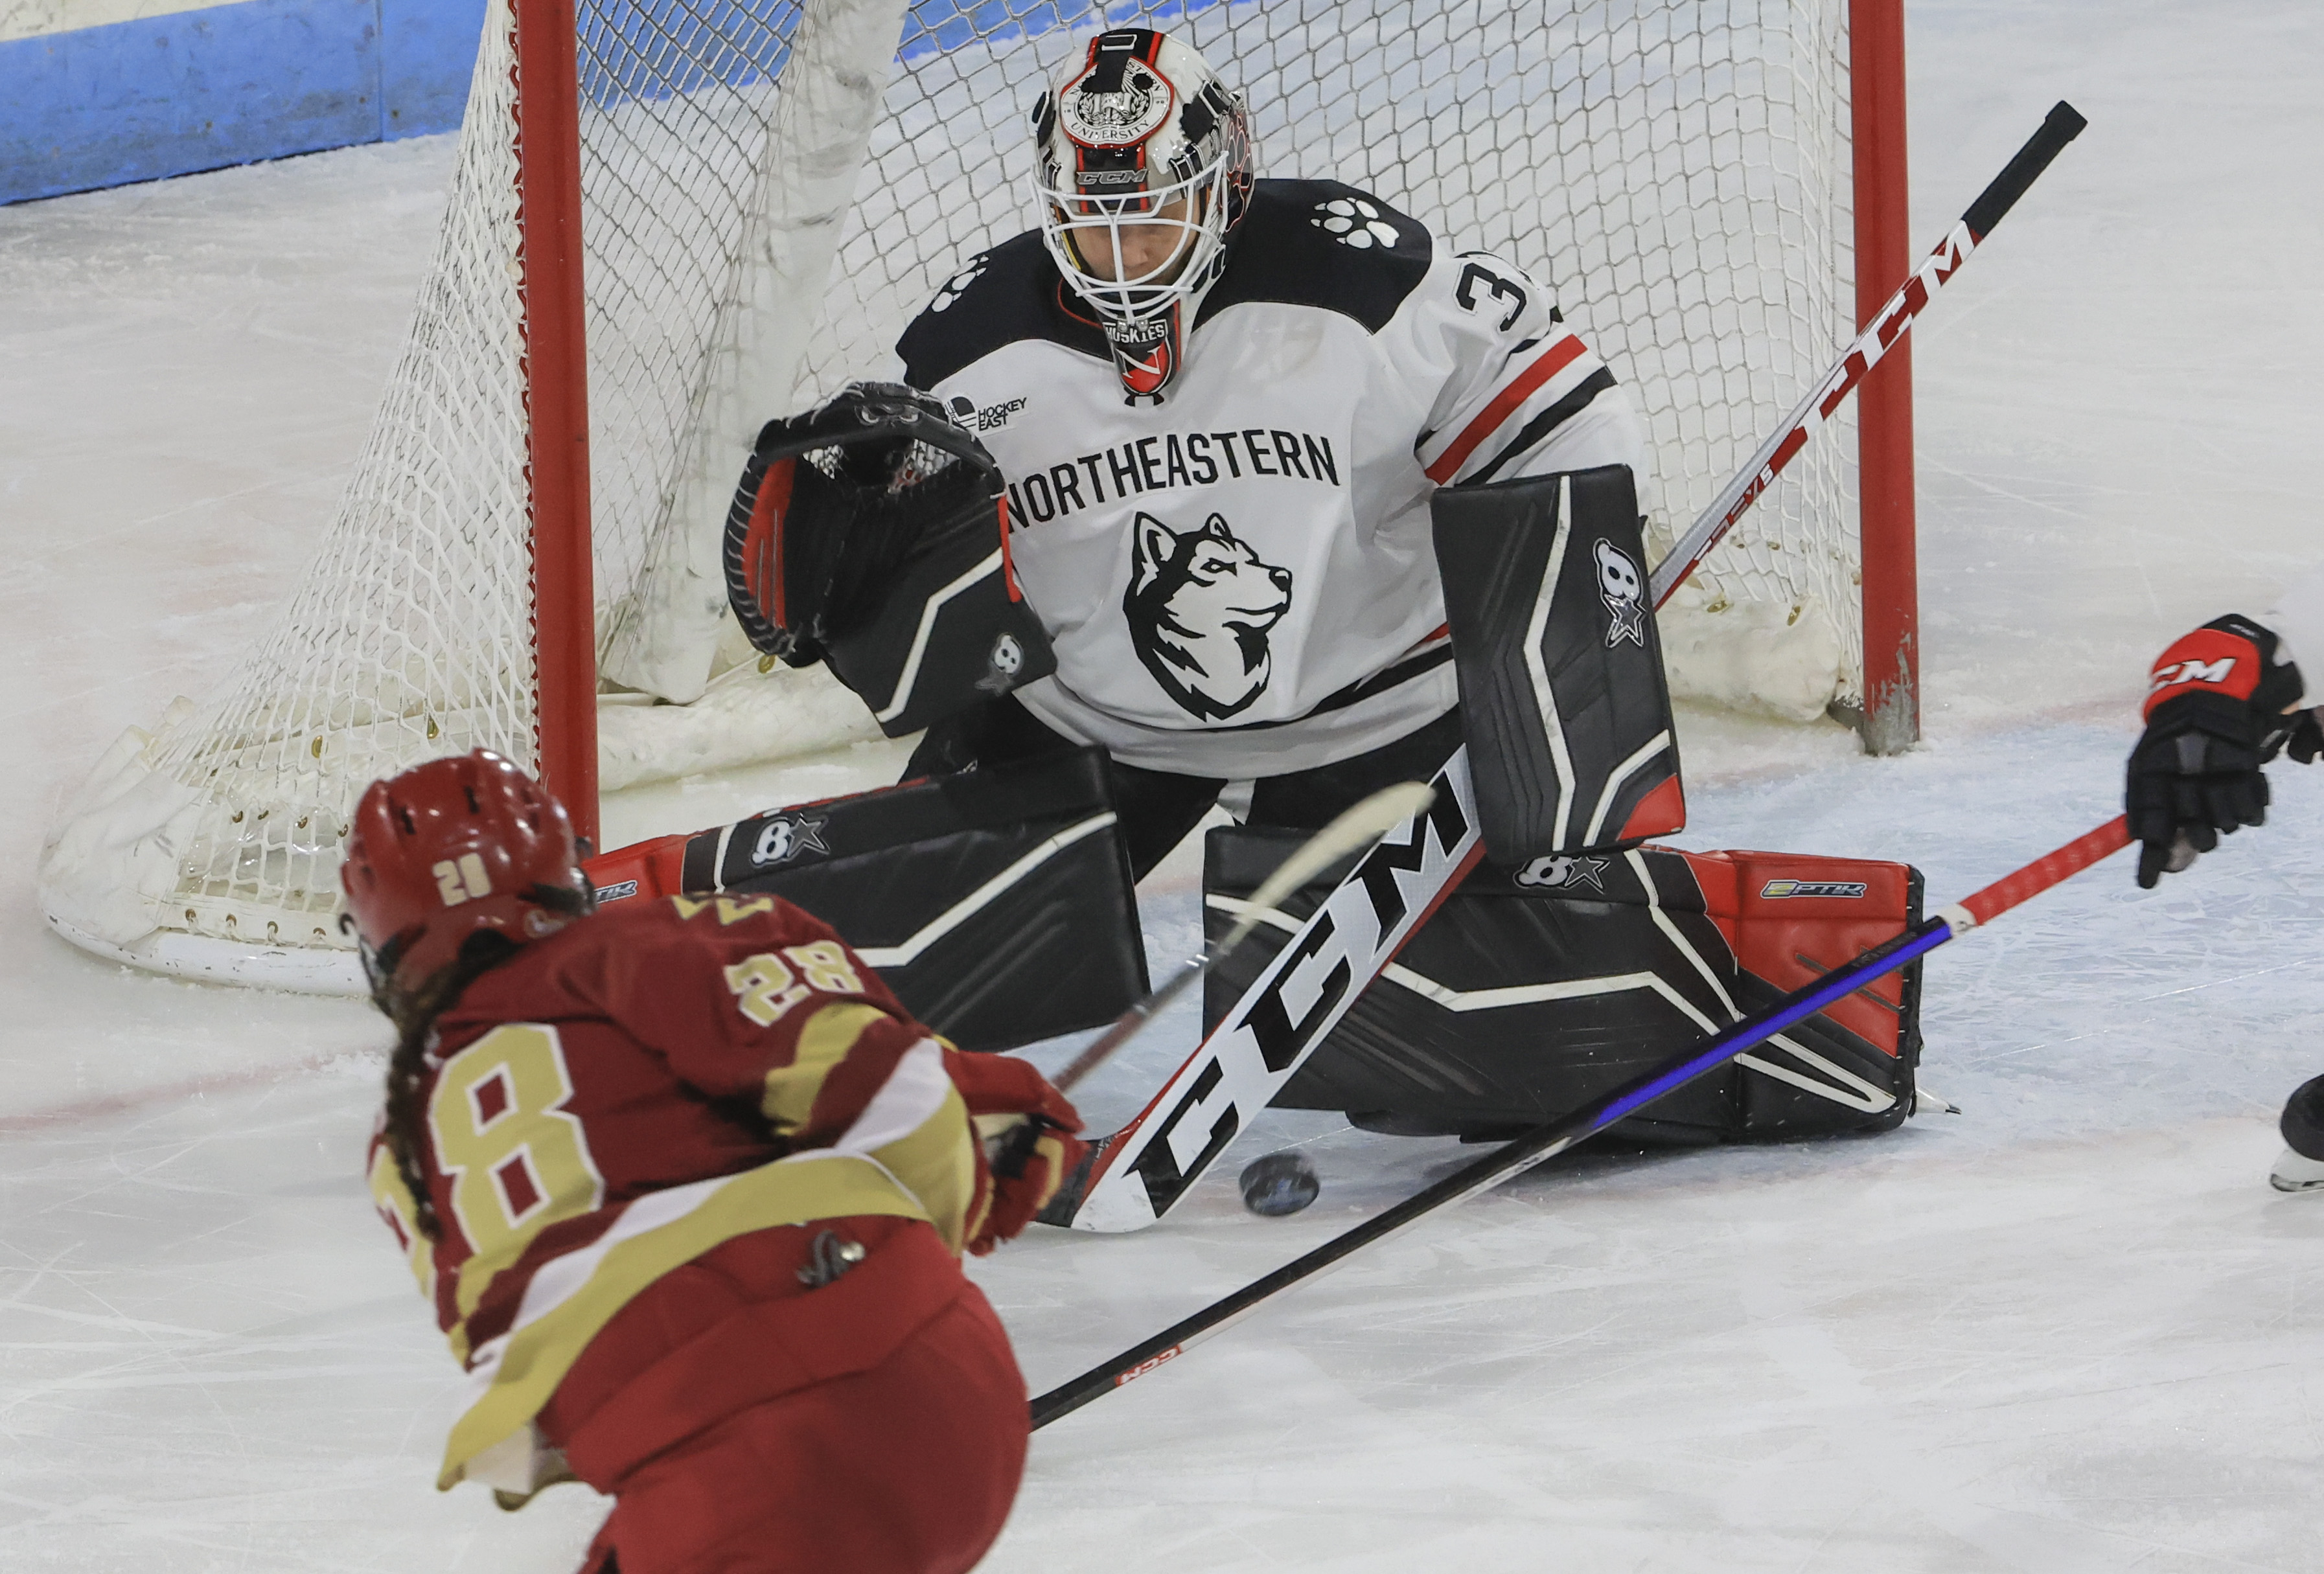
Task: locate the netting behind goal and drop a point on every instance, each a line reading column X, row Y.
column 1679, row 173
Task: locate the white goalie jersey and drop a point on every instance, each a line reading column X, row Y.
column 1237, row 576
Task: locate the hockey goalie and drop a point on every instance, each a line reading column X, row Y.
column 1274, row 498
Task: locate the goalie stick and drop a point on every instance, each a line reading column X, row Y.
column 1366, row 822
column 1546, row 1142
column 1130, row 1178
column 1890, row 323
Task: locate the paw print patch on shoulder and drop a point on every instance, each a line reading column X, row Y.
column 1353, row 222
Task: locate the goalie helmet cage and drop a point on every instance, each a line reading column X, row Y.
column 659, row 191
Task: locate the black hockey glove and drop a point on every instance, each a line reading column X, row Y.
column 2217, row 708
column 832, row 504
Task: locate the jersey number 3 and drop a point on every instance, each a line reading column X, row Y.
column 1497, row 287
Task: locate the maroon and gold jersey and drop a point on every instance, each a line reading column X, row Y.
column 621, row 1096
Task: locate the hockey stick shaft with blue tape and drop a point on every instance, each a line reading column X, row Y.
column 1546, row 1142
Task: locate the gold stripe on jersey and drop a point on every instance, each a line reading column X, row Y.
column 571, row 1298
column 935, row 1157
column 823, row 1042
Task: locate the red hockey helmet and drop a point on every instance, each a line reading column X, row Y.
column 451, row 849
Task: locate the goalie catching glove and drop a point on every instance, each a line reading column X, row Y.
column 870, row 534
column 2221, row 703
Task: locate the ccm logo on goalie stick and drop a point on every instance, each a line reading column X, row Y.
column 1147, row 1365
column 1622, row 588
column 1308, row 987
column 1787, row 888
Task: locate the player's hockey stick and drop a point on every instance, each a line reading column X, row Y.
column 1546, row 1142
column 1353, row 830
column 1894, row 320
column 1130, row 1178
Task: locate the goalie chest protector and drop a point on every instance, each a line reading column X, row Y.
column 1533, row 991
column 996, row 904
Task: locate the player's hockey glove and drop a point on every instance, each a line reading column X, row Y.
column 833, row 503
column 1026, row 1145
column 2220, row 705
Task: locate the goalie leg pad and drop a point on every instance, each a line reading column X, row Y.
column 1529, row 994
column 1560, row 669
column 996, row 905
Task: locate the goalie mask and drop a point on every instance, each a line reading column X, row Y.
column 1142, row 143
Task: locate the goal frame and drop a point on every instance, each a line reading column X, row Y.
column 1886, row 522
column 557, row 398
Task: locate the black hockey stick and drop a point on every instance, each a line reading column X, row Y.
column 1892, row 322
column 1546, row 1142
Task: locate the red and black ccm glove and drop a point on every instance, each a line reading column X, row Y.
column 2218, row 706
column 1027, row 1148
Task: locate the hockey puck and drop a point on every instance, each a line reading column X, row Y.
column 1280, row 1184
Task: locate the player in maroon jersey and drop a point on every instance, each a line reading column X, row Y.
column 688, row 1190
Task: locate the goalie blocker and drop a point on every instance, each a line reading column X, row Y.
column 1562, row 697
column 870, row 534
column 996, row 904
column 1533, row 991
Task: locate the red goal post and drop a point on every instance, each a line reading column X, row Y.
column 1889, row 715
column 670, row 219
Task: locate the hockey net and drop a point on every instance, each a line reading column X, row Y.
column 1679, row 173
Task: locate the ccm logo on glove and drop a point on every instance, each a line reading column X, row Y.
column 2210, row 659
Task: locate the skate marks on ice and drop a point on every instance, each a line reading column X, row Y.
column 2071, row 1329
column 211, row 1357
column 2065, row 1356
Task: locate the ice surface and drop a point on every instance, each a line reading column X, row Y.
column 2071, row 1328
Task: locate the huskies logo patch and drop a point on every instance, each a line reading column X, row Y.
column 1623, row 590
column 1121, row 119
column 1200, row 606
column 1146, row 354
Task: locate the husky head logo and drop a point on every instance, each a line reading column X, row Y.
column 1623, row 590
column 1200, row 606
column 1562, row 871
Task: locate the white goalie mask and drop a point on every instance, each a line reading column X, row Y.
column 1140, row 135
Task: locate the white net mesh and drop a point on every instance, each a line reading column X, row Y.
column 1678, row 171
